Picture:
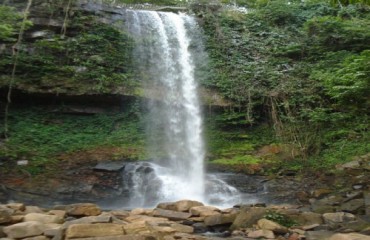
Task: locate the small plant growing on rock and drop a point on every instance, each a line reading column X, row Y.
column 279, row 218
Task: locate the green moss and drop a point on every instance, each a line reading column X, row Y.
column 237, row 160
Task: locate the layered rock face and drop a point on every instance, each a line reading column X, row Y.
column 186, row 219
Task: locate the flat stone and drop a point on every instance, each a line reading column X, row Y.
column 36, row 238
column 24, row 230
column 318, row 235
column 262, row 233
column 83, row 209
column 172, row 215
column 43, row 218
column 94, row 230
column 103, row 218
column 123, row 237
column 60, row 213
column 219, row 219
column 204, row 211
column 33, row 209
column 349, row 236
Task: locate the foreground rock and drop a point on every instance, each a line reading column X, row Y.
column 183, row 220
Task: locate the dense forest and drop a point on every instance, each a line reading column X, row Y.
column 295, row 74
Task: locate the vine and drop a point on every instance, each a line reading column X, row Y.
column 15, row 54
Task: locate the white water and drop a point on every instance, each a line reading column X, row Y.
column 165, row 57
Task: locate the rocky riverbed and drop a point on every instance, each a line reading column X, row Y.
column 190, row 220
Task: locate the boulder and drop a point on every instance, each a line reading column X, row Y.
column 24, row 229
column 167, row 206
column 60, row 213
column 349, row 236
column 6, row 214
column 103, row 218
column 16, row 206
column 138, row 211
column 204, row 211
column 219, row 219
column 185, row 205
column 94, row 230
column 42, row 218
column 83, row 209
column 309, row 218
column 326, row 205
column 270, row 225
column 262, row 233
column 338, row 217
column 172, row 215
column 353, row 206
column 247, row 217
column 136, row 228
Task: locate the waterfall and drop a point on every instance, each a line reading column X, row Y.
column 166, row 65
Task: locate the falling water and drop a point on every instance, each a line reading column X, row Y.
column 166, row 64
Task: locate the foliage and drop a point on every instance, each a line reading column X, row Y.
column 302, row 66
column 10, row 24
column 279, row 218
column 42, row 137
column 96, row 60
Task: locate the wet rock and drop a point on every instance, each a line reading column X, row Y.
column 247, row 217
column 270, row 225
column 94, row 230
column 200, row 227
column 25, row 229
column 172, row 215
column 109, row 166
column 321, row 192
column 83, row 209
column 261, row 234
column 43, row 218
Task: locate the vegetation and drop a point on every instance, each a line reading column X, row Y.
column 46, row 137
column 301, row 66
